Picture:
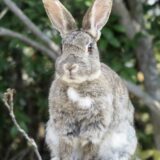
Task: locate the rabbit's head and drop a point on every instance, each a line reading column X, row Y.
column 79, row 61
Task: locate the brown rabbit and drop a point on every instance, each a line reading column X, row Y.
column 91, row 116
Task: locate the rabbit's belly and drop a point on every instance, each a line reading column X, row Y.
column 81, row 124
column 82, row 115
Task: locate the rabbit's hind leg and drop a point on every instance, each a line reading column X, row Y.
column 119, row 144
column 65, row 150
column 70, row 149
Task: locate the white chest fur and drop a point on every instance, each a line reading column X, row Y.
column 82, row 102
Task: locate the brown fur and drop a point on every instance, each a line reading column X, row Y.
column 90, row 113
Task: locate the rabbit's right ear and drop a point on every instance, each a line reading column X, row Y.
column 60, row 17
column 96, row 17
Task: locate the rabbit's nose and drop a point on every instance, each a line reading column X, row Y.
column 72, row 68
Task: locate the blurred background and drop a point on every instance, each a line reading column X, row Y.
column 130, row 45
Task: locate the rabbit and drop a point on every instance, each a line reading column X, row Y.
column 90, row 113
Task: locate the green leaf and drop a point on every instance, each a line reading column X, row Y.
column 13, row 131
column 112, row 40
column 119, row 28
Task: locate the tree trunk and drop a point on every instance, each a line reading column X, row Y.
column 147, row 63
column 133, row 22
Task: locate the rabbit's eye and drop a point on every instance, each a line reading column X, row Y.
column 90, row 48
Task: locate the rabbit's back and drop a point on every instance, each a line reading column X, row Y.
column 123, row 108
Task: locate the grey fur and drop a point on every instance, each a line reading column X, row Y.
column 91, row 116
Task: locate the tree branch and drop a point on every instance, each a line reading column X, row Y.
column 130, row 25
column 40, row 47
column 9, row 103
column 31, row 26
column 136, row 7
column 153, row 104
column 144, row 49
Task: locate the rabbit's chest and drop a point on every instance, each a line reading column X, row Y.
column 79, row 113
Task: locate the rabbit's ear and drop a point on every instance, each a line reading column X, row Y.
column 96, row 17
column 60, row 17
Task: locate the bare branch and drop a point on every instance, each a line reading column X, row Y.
column 136, row 7
column 38, row 46
column 153, row 104
column 131, row 26
column 9, row 103
column 31, row 26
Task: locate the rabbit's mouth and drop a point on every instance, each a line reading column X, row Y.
column 78, row 79
column 73, row 79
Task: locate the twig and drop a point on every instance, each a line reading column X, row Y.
column 9, row 103
column 38, row 46
column 31, row 26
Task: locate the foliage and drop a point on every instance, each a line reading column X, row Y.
column 30, row 73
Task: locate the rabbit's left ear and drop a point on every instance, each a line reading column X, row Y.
column 96, row 17
column 59, row 16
